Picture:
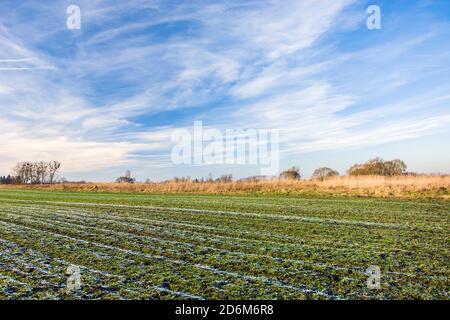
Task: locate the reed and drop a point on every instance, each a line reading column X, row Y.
column 433, row 187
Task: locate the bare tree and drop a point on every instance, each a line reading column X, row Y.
column 28, row 168
column 42, row 170
column 323, row 173
column 23, row 171
column 35, row 172
column 19, row 173
column 53, row 168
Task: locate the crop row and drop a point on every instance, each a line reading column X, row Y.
column 205, row 247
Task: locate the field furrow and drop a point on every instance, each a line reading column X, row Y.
column 210, row 247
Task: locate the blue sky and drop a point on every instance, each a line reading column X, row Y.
column 107, row 97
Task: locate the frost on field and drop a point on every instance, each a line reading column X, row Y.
column 162, row 247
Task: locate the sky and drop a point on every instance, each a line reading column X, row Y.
column 108, row 97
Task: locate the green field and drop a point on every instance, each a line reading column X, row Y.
column 131, row 246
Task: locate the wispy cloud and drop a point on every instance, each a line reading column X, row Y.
column 109, row 94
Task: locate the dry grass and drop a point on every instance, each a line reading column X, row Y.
column 433, row 187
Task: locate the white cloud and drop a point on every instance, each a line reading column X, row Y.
column 264, row 58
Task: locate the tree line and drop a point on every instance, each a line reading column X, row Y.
column 37, row 172
column 376, row 166
column 45, row 172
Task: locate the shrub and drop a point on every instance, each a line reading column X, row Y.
column 323, row 173
column 378, row 166
column 291, row 174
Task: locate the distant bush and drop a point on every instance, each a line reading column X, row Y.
column 378, row 167
column 226, row 178
column 8, row 180
column 126, row 178
column 323, row 173
column 291, row 174
column 255, row 179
